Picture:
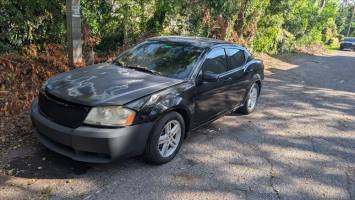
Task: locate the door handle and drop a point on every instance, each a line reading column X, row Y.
column 228, row 79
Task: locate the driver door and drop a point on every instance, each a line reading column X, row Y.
column 211, row 96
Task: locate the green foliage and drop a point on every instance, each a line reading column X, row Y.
column 292, row 23
column 343, row 20
column 268, row 37
column 31, row 21
column 264, row 25
column 110, row 42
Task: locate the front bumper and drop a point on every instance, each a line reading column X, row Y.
column 90, row 144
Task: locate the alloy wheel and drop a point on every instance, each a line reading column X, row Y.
column 169, row 138
column 253, row 97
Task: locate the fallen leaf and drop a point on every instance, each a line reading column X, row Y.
column 273, row 174
column 9, row 172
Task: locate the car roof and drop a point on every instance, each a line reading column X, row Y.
column 194, row 41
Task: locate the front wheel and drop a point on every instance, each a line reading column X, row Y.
column 251, row 100
column 166, row 139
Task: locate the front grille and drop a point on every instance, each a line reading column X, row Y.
column 61, row 111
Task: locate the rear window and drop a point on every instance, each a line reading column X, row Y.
column 236, row 57
column 349, row 39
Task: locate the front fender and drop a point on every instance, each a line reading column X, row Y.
column 150, row 108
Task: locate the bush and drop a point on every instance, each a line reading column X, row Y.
column 110, row 42
column 333, row 42
column 268, row 34
column 31, row 22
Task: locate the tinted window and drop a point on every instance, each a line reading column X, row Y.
column 349, row 39
column 248, row 56
column 215, row 62
column 236, row 57
column 169, row 59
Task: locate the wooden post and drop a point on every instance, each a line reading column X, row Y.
column 74, row 32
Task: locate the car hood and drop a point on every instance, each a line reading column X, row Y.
column 105, row 84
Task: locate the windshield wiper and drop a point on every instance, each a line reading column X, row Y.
column 143, row 69
column 117, row 62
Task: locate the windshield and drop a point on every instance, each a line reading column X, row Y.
column 169, row 59
column 349, row 39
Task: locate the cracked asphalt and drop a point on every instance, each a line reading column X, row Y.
column 299, row 144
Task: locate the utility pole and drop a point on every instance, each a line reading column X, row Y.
column 322, row 4
column 351, row 21
column 74, row 32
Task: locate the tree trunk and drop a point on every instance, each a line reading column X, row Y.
column 322, row 4
column 351, row 21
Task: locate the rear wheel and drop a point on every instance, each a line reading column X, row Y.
column 251, row 100
column 166, row 139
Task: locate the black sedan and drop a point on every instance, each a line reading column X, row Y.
column 348, row 43
column 147, row 100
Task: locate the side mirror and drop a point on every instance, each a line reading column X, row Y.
column 209, row 76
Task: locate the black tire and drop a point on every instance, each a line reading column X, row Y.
column 245, row 109
column 151, row 153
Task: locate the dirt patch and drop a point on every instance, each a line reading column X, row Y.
column 312, row 49
column 15, row 134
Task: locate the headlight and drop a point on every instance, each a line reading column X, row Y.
column 110, row 116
